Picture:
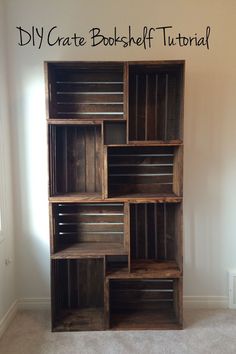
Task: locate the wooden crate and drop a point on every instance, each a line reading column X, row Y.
column 77, row 294
column 155, row 234
column 144, row 171
column 75, row 159
column 144, row 304
column 155, row 102
column 85, row 91
column 87, row 229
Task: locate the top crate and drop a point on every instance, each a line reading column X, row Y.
column 86, row 91
column 156, row 101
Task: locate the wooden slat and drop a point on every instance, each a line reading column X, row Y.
column 91, row 208
column 148, row 269
column 178, row 171
column 131, row 197
column 141, row 192
column 87, row 98
column 86, row 217
column 90, row 161
column 142, row 150
column 90, row 115
column 88, row 108
column 91, row 86
column 126, row 98
column 143, row 285
column 135, row 159
column 150, row 133
column 90, row 249
column 137, row 297
column 145, row 320
column 89, row 75
column 69, row 238
column 106, row 304
column 142, row 168
column 92, row 227
column 105, row 173
column 127, row 230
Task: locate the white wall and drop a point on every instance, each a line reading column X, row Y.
column 7, row 254
column 210, row 126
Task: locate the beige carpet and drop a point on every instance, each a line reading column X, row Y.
column 206, row 332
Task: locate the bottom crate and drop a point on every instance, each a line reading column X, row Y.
column 77, row 294
column 145, row 304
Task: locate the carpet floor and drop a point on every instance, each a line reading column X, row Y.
column 205, row 332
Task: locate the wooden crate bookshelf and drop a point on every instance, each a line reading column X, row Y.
column 115, row 147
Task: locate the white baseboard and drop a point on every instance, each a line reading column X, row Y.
column 34, row 303
column 8, row 317
column 206, row 302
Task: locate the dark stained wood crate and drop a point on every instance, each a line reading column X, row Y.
column 87, row 229
column 155, row 102
column 82, row 91
column 155, row 234
column 75, row 159
column 144, row 304
column 143, row 170
column 77, row 294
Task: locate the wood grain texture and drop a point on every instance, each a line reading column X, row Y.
column 178, row 171
column 155, row 104
column 153, row 233
column 86, row 92
column 143, row 304
column 142, row 169
column 89, row 249
column 88, row 227
column 76, row 163
column 148, row 269
column 128, row 197
column 79, row 291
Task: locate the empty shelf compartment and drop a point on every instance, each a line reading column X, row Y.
column 86, row 91
column 143, row 171
column 88, row 229
column 78, row 301
column 114, row 133
column 155, row 235
column 75, row 159
column 144, row 304
column 155, row 102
